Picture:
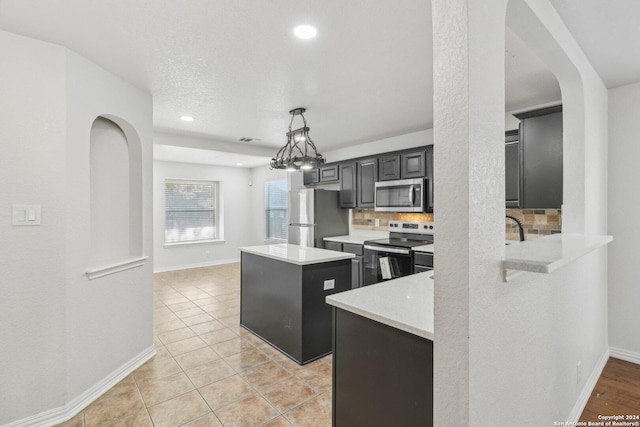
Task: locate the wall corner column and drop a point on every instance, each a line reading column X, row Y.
column 468, row 54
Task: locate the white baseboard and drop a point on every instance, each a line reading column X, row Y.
column 627, row 355
column 589, row 385
column 72, row 408
column 196, row 265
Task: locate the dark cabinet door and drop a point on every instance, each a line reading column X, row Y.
column 367, row 176
column 333, row 246
column 389, row 167
column 541, row 139
column 348, row 185
column 356, row 272
column 329, row 173
column 413, row 165
column 512, row 169
column 310, row 177
column 430, row 175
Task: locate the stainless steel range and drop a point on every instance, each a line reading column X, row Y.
column 386, row 259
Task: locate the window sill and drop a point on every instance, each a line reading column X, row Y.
column 198, row 242
column 94, row 273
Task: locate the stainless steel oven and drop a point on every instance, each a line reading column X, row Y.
column 385, row 263
column 386, row 259
column 404, row 195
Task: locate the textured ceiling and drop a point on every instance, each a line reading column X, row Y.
column 235, row 66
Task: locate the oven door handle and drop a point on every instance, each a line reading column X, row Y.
column 387, row 249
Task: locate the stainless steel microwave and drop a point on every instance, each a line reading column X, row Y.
column 404, row 195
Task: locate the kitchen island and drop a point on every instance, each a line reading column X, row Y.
column 282, row 296
column 383, row 353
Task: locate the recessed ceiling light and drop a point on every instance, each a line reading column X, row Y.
column 238, row 164
column 186, row 118
column 305, row 31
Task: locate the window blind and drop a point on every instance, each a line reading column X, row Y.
column 190, row 208
column 277, row 219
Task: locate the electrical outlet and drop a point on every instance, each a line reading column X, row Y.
column 329, row 284
column 377, row 222
column 578, row 372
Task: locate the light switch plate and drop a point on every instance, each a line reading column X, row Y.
column 26, row 215
column 329, row 284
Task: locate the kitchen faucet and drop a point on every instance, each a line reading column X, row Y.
column 520, row 227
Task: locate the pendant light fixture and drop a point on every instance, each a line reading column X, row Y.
column 299, row 153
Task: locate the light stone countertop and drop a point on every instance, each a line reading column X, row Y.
column 358, row 237
column 547, row 254
column 296, row 254
column 405, row 303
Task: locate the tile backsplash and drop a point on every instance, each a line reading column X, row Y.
column 536, row 222
column 365, row 219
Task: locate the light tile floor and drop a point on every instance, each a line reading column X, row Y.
column 208, row 370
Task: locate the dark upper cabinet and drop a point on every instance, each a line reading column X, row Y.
column 329, row 173
column 429, row 175
column 367, row 176
column 348, row 193
column 311, row 176
column 413, row 165
column 541, row 150
column 512, row 176
column 389, row 167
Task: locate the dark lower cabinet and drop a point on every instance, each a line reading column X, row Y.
column 366, row 180
column 357, row 263
column 333, row 246
column 422, row 261
column 284, row 303
column 382, row 376
column 357, row 271
column 348, row 187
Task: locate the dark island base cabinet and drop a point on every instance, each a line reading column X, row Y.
column 382, row 376
column 284, row 303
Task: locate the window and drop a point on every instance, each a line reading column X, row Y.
column 276, row 209
column 190, row 208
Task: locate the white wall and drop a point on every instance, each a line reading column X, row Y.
column 624, row 202
column 409, row 140
column 64, row 339
column 110, row 319
column 237, row 208
column 32, row 259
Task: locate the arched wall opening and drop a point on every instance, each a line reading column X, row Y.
column 115, row 192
